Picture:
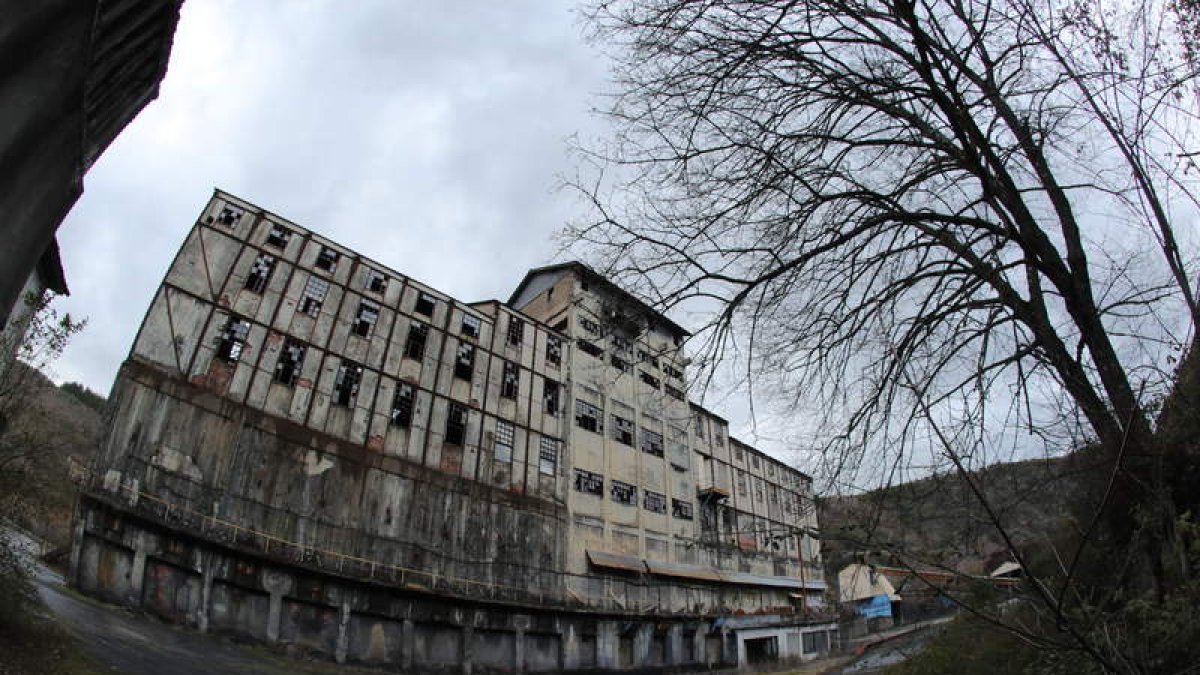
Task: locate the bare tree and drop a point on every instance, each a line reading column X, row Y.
column 951, row 221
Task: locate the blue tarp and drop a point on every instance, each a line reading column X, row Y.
column 875, row 607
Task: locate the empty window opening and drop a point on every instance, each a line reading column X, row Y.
column 553, row 350
column 314, row 296
column 232, row 341
column 589, row 483
column 229, row 216
column 622, row 345
column 561, row 326
column 414, row 347
column 516, row 330
column 674, row 392
column 681, row 509
column 623, row 493
column 654, row 501
column 548, row 456
column 589, row 417
column 425, row 304
column 260, row 273
column 464, row 362
column 649, row 379
column 622, row 430
column 327, row 259
column 376, row 281
column 471, row 325
column 741, row 483
column 291, row 359
column 456, row 424
column 646, row 357
column 509, row 383
column 367, row 317
column 590, row 349
column 652, row 442
column 402, row 405
column 619, row 363
column 698, row 425
column 673, row 372
column 589, row 325
column 505, row 433
column 550, row 394
column 279, row 236
column 345, row 385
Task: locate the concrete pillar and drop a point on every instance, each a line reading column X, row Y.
column 274, row 614
column 698, row 646
column 206, row 584
column 137, row 574
column 343, row 638
column 675, row 648
column 407, row 644
column 520, row 625
column 468, row 649
column 641, row 644
column 608, row 645
column 569, row 639
column 77, row 535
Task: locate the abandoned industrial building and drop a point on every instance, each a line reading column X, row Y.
column 307, row 447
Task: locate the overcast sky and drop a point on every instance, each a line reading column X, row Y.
column 425, row 135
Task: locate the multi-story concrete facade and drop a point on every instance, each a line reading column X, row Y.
column 307, row 446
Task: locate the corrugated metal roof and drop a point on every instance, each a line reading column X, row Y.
column 747, row 579
column 668, row 569
column 614, row 561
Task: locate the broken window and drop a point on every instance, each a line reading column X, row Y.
column 402, row 405
column 654, row 501
column 646, row 357
column 622, row 430
column 741, row 483
column 681, row 509
column 553, row 350
column 471, row 325
column 589, row 483
column 327, row 259
column 737, row 454
column 516, row 330
column 623, row 493
column 589, row 326
column 505, row 433
column 345, row 385
column 550, row 397
column 278, row 236
column 649, row 379
column 509, row 380
column 464, row 362
column 456, row 424
column 698, row 425
column 229, row 215
column 291, row 359
column 590, row 349
column 652, row 442
column 425, row 304
column 548, row 456
column 232, row 341
column 773, row 496
column 376, row 281
column 771, row 469
column 365, row 320
column 619, row 363
column 674, row 392
column 719, row 437
column 758, row 490
column 260, row 273
column 589, row 417
column 673, row 372
column 622, row 345
column 414, row 347
column 754, row 461
column 314, row 296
